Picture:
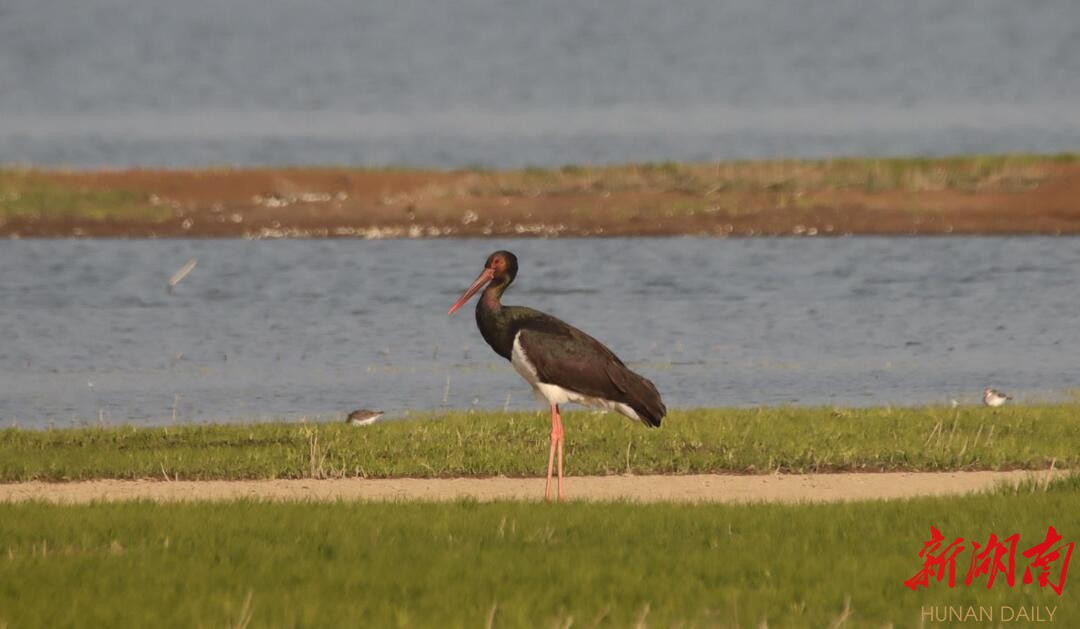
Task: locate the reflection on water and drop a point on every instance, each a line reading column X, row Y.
column 317, row 328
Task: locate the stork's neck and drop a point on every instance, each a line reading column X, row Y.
column 495, row 326
column 491, row 298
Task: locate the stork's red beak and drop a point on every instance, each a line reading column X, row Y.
column 480, row 282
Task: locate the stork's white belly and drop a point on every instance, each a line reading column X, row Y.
column 553, row 393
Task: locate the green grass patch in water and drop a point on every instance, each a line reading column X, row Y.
column 29, row 195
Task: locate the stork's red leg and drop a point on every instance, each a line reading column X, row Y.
column 556, row 445
column 556, row 430
column 559, row 440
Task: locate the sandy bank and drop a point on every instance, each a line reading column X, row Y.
column 967, row 195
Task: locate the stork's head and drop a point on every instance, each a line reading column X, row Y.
column 500, row 269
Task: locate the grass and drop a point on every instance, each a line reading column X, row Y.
column 35, row 196
column 511, row 564
column 785, row 439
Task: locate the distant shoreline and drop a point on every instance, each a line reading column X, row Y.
column 968, row 195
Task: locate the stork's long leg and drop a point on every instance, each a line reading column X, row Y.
column 556, row 444
column 551, row 456
column 558, row 420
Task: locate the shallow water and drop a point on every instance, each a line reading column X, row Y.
column 319, row 327
column 497, row 83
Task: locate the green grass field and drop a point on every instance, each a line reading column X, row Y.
column 515, row 444
column 511, row 564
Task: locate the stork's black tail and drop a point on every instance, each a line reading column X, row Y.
column 639, row 394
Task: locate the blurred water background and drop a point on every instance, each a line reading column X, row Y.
column 509, row 83
column 315, row 328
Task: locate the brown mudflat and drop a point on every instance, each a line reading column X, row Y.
column 977, row 195
column 692, row 488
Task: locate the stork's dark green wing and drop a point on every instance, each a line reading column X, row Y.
column 567, row 357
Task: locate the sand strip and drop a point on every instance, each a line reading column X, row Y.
column 692, row 488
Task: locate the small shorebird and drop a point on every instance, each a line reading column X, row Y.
column 560, row 362
column 993, row 397
column 363, row 417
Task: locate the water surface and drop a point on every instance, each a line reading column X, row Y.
column 319, row 327
column 511, row 83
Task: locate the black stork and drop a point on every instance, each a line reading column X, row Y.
column 559, row 361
